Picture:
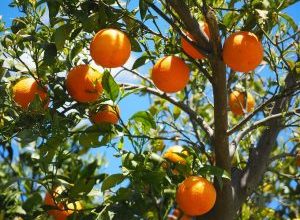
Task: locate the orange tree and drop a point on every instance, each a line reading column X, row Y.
column 238, row 157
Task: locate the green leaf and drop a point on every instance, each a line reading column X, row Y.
column 290, row 20
column 140, row 62
column 143, row 8
column 135, row 46
column 90, row 137
column 112, row 181
column 61, row 34
column 216, row 171
column 75, row 51
column 33, row 200
column 145, row 118
column 53, row 7
column 50, row 54
column 110, row 86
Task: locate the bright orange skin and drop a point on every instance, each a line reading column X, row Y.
column 84, row 84
column 171, row 154
column 170, row 74
column 186, row 217
column 59, row 213
column 107, row 114
column 196, row 196
column 189, row 48
column 242, row 51
column 110, row 48
column 25, row 90
column 237, row 102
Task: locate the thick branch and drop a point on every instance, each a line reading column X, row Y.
column 257, row 124
column 259, row 157
column 191, row 24
column 289, row 91
column 224, row 205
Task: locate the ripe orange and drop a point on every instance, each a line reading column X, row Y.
column 242, row 51
column 189, row 48
column 84, row 83
column 170, row 74
column 25, row 90
column 186, row 217
column 196, row 196
column 59, row 211
column 110, row 48
column 237, row 102
column 172, row 154
column 107, row 114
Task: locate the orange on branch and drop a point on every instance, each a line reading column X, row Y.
column 196, row 196
column 170, row 74
column 84, row 83
column 237, row 102
column 110, row 48
column 106, row 114
column 242, row 51
column 173, row 154
column 189, row 48
column 24, row 92
column 60, row 210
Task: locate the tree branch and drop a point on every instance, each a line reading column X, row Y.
column 287, row 92
column 197, row 118
column 257, row 124
column 192, row 25
column 258, row 161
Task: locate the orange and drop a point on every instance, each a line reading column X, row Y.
column 186, row 217
column 196, row 196
column 189, row 48
column 59, row 211
column 170, row 74
column 237, row 102
column 84, row 83
column 110, row 48
column 242, row 51
column 172, row 154
column 107, row 114
column 24, row 92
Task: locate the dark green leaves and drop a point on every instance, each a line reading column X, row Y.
column 112, row 181
column 50, row 54
column 145, row 118
column 53, row 7
column 110, row 86
column 90, row 137
column 61, row 34
column 140, row 62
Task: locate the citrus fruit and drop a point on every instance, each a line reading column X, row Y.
column 189, row 48
column 24, row 92
column 106, row 114
column 195, row 196
column 59, row 211
column 173, row 154
column 84, row 83
column 242, row 51
column 170, row 74
column 110, row 48
column 238, row 104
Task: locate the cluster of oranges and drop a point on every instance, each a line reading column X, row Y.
column 195, row 195
column 111, row 48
